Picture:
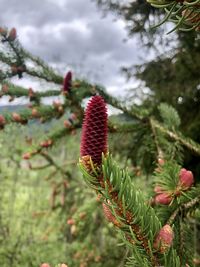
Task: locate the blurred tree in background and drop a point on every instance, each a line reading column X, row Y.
column 173, row 75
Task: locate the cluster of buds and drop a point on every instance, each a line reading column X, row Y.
column 186, row 180
column 58, row 106
column 8, row 36
column 164, row 239
column 69, row 123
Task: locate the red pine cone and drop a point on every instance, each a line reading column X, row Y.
column 163, row 198
column 164, row 238
column 67, row 83
column 186, row 179
column 95, row 130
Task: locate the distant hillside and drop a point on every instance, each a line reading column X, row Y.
column 10, row 108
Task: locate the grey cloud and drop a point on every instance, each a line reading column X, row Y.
column 72, row 32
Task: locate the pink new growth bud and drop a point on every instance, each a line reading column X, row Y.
column 45, row 265
column 163, row 198
column 71, row 221
column 12, row 34
column 16, row 117
column 186, row 179
column 27, row 156
column 164, row 238
column 161, row 161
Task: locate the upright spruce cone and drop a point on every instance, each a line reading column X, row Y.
column 67, row 83
column 95, row 130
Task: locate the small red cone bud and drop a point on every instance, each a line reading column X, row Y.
column 95, row 130
column 186, row 179
column 67, row 83
column 158, row 189
column 12, row 35
column 63, row 265
column 46, row 143
column 164, row 239
column 71, row 222
column 27, row 156
column 67, row 124
column 35, row 113
column 45, row 265
column 5, row 88
column 2, row 120
column 163, row 199
column 16, row 117
column 161, row 161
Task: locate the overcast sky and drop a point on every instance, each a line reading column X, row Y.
column 72, row 34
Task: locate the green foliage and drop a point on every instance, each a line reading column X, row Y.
column 170, row 116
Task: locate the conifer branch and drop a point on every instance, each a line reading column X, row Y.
column 19, row 91
column 185, row 207
column 187, row 142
